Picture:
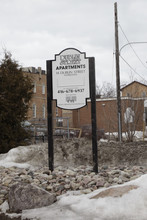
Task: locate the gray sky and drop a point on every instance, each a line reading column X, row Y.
column 34, row 30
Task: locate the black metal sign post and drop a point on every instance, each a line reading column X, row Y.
column 71, row 81
column 93, row 112
column 49, row 107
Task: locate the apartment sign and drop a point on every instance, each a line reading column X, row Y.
column 70, row 79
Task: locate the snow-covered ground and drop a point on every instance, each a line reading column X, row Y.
column 13, row 157
column 138, row 135
column 74, row 206
column 77, row 206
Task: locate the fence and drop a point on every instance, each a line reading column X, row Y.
column 60, row 129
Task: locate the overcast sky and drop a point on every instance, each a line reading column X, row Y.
column 34, row 30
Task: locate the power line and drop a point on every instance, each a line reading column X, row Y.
column 132, row 68
column 129, row 43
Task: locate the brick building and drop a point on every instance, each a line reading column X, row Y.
column 134, row 89
column 133, row 105
column 106, row 113
column 132, row 102
column 37, row 113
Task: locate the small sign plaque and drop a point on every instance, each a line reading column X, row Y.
column 70, row 79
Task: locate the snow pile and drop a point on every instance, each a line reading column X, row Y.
column 13, row 157
column 73, row 205
column 138, row 135
column 25, row 157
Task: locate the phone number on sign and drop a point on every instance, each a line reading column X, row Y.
column 70, row 90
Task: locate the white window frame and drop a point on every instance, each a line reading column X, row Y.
column 43, row 89
column 43, row 111
column 56, row 111
column 34, row 89
column 34, row 110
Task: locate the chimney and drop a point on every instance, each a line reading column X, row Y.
column 40, row 71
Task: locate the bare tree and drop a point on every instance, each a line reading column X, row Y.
column 107, row 90
column 98, row 91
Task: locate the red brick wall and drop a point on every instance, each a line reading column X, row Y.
column 106, row 113
column 38, row 98
column 106, row 110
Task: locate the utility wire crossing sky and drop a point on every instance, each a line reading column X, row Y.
column 35, row 30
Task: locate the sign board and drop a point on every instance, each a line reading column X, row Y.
column 70, row 79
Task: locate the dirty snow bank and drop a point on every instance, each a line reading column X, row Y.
column 73, row 205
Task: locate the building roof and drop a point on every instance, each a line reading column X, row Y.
column 32, row 69
column 131, row 84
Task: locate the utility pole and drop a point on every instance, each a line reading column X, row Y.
column 117, row 75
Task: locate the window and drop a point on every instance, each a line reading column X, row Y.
column 43, row 111
column 56, row 111
column 143, row 94
column 34, row 111
column 59, row 122
column 43, row 89
column 128, row 94
column 34, row 89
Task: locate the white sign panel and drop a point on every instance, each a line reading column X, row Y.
column 70, row 79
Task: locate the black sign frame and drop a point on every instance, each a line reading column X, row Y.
column 93, row 113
